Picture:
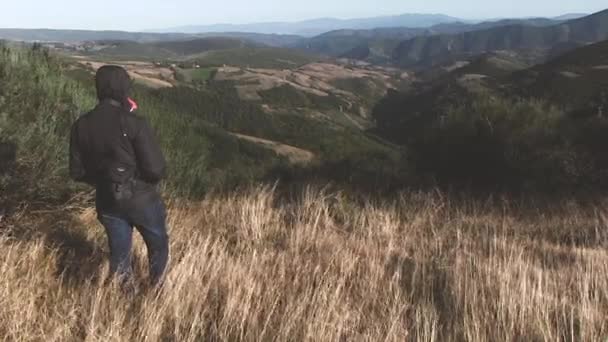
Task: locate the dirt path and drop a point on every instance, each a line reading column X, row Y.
column 294, row 154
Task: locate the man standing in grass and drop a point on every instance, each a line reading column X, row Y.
column 114, row 150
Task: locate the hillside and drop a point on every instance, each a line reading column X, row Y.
column 488, row 124
column 67, row 36
column 320, row 259
column 196, row 46
column 331, row 92
column 165, row 50
column 577, row 79
column 37, row 117
column 270, row 39
column 277, row 79
column 466, row 27
column 379, row 44
column 256, row 57
column 432, row 50
column 573, row 81
column 355, row 242
column 74, row 37
column 315, row 119
column 343, row 43
column 494, row 64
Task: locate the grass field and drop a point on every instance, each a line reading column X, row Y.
column 203, row 74
column 272, row 58
column 195, row 75
column 254, row 266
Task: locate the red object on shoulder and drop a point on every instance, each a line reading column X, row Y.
column 133, row 104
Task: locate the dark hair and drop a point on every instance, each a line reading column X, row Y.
column 113, row 82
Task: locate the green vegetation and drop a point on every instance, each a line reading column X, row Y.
column 201, row 156
column 542, row 128
column 37, row 107
column 491, row 142
column 494, row 65
column 41, row 99
column 387, row 45
column 574, row 80
column 178, row 49
column 220, row 105
column 447, row 133
column 433, row 50
column 39, row 103
column 367, row 90
column 195, row 76
column 272, row 58
column 202, row 74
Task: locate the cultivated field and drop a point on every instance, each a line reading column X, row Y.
column 318, row 266
column 313, row 78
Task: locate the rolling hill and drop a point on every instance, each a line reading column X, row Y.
column 165, row 50
column 345, row 43
column 75, row 36
column 575, row 82
column 256, row 57
column 431, row 50
column 66, row 36
column 544, row 127
column 378, row 44
column 578, row 79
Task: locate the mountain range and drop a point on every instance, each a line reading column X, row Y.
column 378, row 44
column 409, row 40
column 429, row 50
column 318, row 26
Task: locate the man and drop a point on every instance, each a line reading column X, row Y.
column 115, row 151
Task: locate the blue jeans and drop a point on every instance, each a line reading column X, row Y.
column 150, row 221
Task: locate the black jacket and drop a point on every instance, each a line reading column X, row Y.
column 111, row 135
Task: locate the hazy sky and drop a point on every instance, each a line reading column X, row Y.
column 150, row 14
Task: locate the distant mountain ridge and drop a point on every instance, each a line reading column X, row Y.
column 435, row 49
column 570, row 16
column 378, row 44
column 318, row 26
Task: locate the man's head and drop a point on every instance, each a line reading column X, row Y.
column 113, row 82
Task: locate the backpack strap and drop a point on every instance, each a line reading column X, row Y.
column 123, row 125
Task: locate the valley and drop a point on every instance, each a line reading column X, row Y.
column 328, row 96
column 415, row 177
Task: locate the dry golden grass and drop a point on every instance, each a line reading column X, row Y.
column 321, row 267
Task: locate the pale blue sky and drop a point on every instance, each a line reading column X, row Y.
column 151, row 14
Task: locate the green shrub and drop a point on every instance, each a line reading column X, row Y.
column 37, row 106
column 497, row 143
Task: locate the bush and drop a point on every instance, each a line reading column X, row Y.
column 37, row 106
column 505, row 144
